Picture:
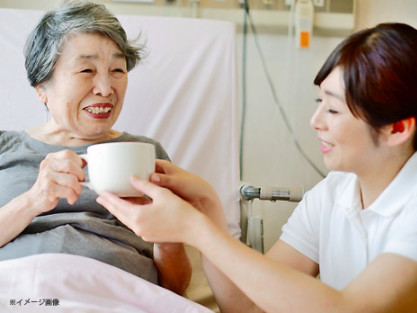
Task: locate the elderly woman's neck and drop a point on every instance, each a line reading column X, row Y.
column 59, row 137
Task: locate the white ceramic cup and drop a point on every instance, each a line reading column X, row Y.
column 110, row 166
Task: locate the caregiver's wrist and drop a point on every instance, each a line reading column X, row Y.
column 199, row 234
column 213, row 210
column 207, row 200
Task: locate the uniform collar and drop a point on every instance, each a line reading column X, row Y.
column 391, row 200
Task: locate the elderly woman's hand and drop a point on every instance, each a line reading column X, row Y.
column 59, row 176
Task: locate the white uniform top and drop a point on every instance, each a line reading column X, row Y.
column 330, row 227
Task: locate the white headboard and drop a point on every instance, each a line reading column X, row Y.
column 183, row 94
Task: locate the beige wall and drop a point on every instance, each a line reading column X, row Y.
column 371, row 12
column 368, row 12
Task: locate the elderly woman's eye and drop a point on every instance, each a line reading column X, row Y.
column 87, row 70
column 119, row 70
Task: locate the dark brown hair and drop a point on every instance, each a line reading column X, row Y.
column 380, row 73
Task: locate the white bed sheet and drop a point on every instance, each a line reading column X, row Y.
column 78, row 284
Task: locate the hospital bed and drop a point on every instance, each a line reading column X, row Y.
column 184, row 95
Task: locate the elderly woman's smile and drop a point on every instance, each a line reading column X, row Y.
column 99, row 110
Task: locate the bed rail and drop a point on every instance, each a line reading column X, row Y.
column 252, row 228
column 293, row 194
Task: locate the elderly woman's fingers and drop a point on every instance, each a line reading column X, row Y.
column 65, row 161
column 59, row 176
column 45, row 193
column 70, row 186
column 70, row 194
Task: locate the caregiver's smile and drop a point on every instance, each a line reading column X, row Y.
column 345, row 140
column 325, row 146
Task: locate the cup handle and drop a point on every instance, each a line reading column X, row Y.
column 85, row 183
column 84, row 156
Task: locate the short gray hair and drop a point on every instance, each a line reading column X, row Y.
column 45, row 42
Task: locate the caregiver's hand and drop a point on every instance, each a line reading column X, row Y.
column 59, row 176
column 192, row 188
column 166, row 218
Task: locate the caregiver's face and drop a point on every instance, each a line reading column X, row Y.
column 347, row 143
column 86, row 92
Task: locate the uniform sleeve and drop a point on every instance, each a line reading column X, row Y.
column 301, row 230
column 304, row 228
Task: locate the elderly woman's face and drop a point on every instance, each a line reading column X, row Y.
column 86, row 92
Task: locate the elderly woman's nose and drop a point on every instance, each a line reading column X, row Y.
column 103, row 85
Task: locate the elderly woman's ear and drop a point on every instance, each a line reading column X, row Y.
column 41, row 93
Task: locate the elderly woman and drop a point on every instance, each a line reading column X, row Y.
column 356, row 228
column 77, row 59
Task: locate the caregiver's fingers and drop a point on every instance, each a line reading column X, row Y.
column 184, row 184
column 166, row 167
column 147, row 187
column 125, row 212
column 171, row 176
column 154, row 222
column 114, row 204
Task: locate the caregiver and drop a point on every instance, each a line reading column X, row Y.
column 77, row 59
column 357, row 228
